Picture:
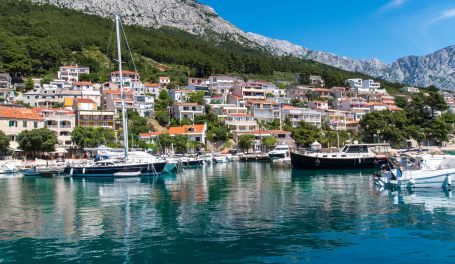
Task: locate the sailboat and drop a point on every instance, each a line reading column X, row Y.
column 127, row 165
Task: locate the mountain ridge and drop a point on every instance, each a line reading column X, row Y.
column 437, row 68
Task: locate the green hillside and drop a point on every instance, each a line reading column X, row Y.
column 36, row 39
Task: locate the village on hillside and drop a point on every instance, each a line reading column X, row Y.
column 198, row 110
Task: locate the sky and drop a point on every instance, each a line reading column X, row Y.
column 383, row 29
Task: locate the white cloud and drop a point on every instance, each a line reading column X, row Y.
column 446, row 14
column 392, row 4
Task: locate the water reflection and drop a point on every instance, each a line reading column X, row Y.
column 233, row 212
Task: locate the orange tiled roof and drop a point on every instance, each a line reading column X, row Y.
column 39, row 110
column 127, row 91
column 288, row 107
column 18, row 113
column 198, row 129
column 85, row 100
column 150, row 134
column 151, row 85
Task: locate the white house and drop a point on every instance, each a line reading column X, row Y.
column 186, row 110
column 61, row 121
column 297, row 115
column 365, row 86
column 14, row 120
column 71, row 73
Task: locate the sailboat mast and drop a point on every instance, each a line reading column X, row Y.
column 122, row 93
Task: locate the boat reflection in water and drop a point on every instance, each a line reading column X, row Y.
column 432, row 200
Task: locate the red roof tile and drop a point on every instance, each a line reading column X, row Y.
column 18, row 113
column 198, row 129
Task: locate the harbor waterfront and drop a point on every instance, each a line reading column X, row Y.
column 227, row 212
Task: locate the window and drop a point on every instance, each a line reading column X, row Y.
column 24, row 123
column 35, row 124
column 12, row 123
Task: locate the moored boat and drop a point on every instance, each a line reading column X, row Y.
column 351, row 156
column 425, row 171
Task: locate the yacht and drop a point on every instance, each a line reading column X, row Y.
column 351, row 156
column 280, row 152
column 127, row 165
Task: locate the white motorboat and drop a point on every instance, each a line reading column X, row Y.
column 280, row 152
column 8, row 168
column 221, row 159
column 427, row 171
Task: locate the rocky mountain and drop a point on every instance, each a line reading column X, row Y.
column 435, row 69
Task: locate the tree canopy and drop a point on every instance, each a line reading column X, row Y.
column 91, row 137
column 37, row 140
column 4, row 142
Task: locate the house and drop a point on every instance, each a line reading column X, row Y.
column 93, row 95
column 186, row 110
column 14, row 120
column 249, row 91
column 264, row 110
column 130, row 78
column 241, row 123
column 82, row 86
column 223, row 110
column 193, row 132
column 60, row 121
column 297, row 115
column 351, row 104
column 280, row 100
column 144, row 104
column 321, row 93
column 221, row 84
column 153, row 89
column 150, row 137
column 341, row 92
column 5, row 81
column 164, row 81
column 318, row 105
column 365, row 86
column 193, row 81
column 283, row 137
column 88, row 115
column 71, row 73
column 61, row 84
column 271, row 90
column 112, row 100
column 49, row 96
column 410, row 90
column 200, row 88
column 298, row 92
column 377, row 107
column 335, row 119
column 179, row 96
column 317, row 80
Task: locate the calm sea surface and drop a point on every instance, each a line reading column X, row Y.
column 229, row 213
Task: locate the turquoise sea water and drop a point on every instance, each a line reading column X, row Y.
column 226, row 213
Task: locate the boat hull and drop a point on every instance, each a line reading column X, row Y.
column 192, row 164
column 302, row 161
column 422, row 179
column 144, row 169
